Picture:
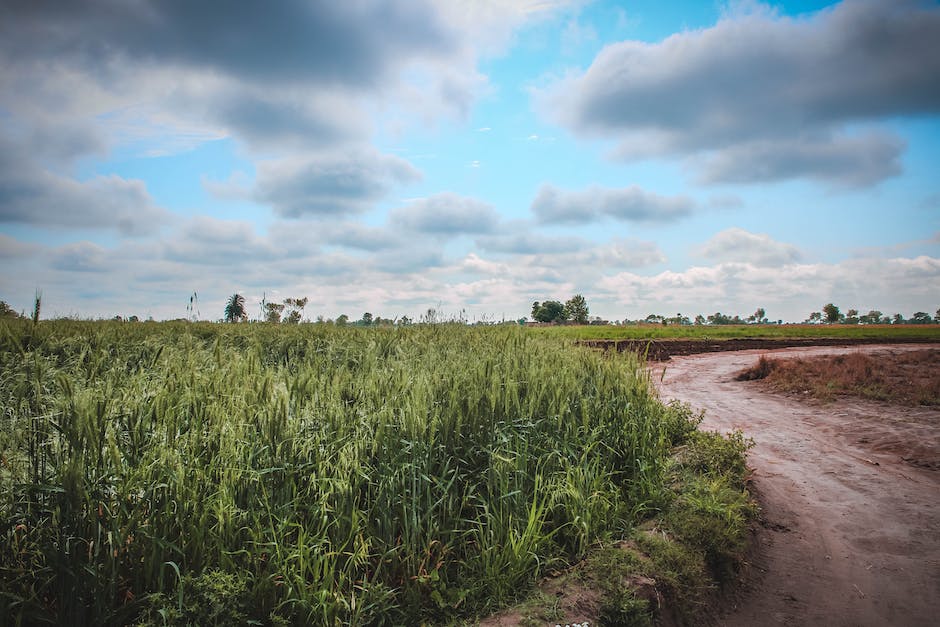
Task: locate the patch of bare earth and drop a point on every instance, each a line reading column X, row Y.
column 849, row 486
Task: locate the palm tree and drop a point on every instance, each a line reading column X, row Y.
column 235, row 309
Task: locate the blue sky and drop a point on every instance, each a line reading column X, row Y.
column 471, row 157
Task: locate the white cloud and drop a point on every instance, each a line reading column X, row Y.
column 406, row 275
column 736, row 244
column 446, row 214
column 330, row 184
column 80, row 257
column 788, row 292
column 32, row 195
column 760, row 97
column 629, row 204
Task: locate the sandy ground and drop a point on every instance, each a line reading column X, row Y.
column 850, row 496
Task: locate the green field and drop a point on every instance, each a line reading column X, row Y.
column 176, row 473
column 887, row 332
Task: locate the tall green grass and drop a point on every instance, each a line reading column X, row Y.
column 310, row 474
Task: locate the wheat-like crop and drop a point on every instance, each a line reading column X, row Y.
column 308, row 474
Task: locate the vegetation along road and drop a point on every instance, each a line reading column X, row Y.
column 850, row 493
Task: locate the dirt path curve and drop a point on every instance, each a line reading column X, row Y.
column 851, row 531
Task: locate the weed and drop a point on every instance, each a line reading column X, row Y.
column 909, row 378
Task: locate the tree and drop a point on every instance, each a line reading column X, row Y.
column 342, row 320
column 897, row 319
column 832, row 313
column 872, row 317
column 814, row 317
column 6, row 311
column 851, row 317
column 576, row 309
column 272, row 312
column 920, row 317
column 699, row 319
column 720, row 318
column 677, row 319
column 235, row 309
column 366, row 319
column 759, row 316
column 549, row 311
column 936, row 317
column 296, row 307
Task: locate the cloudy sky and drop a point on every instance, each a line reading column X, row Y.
column 471, row 156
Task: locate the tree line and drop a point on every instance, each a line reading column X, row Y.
column 574, row 310
column 831, row 314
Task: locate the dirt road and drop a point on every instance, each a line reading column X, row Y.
column 850, row 495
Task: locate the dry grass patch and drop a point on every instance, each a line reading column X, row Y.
column 907, row 378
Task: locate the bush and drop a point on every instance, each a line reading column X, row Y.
column 211, row 598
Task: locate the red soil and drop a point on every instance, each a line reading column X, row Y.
column 850, row 495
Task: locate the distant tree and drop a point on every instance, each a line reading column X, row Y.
column 549, row 311
column 936, row 317
column 404, row 321
column 295, row 308
column 851, row 317
column 235, row 309
column 920, row 317
column 133, row 319
column 342, row 320
column 720, row 318
column 832, row 313
column 6, row 311
column 678, row 319
column 897, row 319
column 759, row 316
column 366, row 319
column 699, row 319
column 872, row 317
column 576, row 309
column 814, row 317
column 272, row 312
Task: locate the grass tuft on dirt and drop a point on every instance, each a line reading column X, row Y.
column 908, row 378
column 672, row 568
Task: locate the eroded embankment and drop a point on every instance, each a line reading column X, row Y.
column 663, row 349
column 851, row 523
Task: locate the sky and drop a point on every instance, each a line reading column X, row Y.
column 470, row 156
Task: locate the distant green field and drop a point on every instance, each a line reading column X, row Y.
column 726, row 332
